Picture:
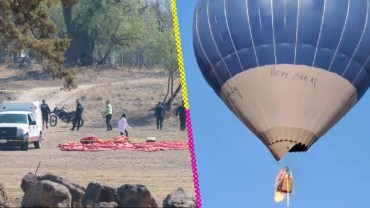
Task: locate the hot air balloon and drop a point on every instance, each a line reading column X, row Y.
column 288, row 69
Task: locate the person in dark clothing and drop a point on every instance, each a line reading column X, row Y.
column 159, row 113
column 78, row 115
column 181, row 112
column 45, row 111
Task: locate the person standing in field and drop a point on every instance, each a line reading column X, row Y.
column 159, row 113
column 45, row 111
column 123, row 125
column 181, row 112
column 108, row 115
column 78, row 115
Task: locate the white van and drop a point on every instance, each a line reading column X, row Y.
column 20, row 124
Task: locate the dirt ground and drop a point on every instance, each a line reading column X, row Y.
column 161, row 171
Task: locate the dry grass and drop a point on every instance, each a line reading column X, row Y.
column 161, row 171
column 5, row 72
column 130, row 91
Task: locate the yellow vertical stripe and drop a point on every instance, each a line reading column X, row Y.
column 180, row 59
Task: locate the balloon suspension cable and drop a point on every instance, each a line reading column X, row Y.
column 287, row 196
column 280, row 164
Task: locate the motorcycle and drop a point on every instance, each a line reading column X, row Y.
column 65, row 116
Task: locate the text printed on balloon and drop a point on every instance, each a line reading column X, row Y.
column 231, row 90
column 294, row 76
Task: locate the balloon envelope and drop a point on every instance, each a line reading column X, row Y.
column 289, row 69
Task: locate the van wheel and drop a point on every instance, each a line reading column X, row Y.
column 24, row 146
column 38, row 143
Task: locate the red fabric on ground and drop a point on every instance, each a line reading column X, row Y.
column 120, row 143
column 94, row 139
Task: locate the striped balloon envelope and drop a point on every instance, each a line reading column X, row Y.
column 289, row 69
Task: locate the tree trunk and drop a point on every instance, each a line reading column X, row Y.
column 173, row 96
column 106, row 55
column 67, row 16
column 80, row 50
column 168, row 88
column 171, row 74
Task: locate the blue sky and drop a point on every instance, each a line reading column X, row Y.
column 236, row 170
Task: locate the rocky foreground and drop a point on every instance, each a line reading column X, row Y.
column 53, row 191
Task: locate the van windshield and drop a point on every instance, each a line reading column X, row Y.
column 13, row 118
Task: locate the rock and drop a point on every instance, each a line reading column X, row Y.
column 3, row 197
column 76, row 190
column 106, row 205
column 108, row 194
column 92, row 194
column 135, row 196
column 28, row 180
column 100, row 195
column 179, row 198
column 47, row 194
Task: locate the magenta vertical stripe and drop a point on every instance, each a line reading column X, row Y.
column 193, row 159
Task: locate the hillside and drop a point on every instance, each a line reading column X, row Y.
column 130, row 91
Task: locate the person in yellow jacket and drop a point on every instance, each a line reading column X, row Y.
column 108, row 115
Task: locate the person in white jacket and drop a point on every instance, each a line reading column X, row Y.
column 123, row 125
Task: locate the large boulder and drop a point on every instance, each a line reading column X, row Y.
column 92, row 194
column 47, row 194
column 135, row 196
column 97, row 193
column 106, row 205
column 3, row 197
column 108, row 194
column 76, row 190
column 29, row 180
column 179, row 198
